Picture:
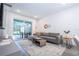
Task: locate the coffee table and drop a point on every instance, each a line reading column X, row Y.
column 39, row 41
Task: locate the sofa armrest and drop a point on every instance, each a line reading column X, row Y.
column 58, row 38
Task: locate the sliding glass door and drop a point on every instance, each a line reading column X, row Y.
column 21, row 29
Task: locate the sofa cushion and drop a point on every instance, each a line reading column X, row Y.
column 54, row 34
column 46, row 37
column 50, row 34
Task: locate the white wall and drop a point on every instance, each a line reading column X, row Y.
column 64, row 20
column 8, row 21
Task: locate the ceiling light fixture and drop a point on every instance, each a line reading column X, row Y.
column 35, row 16
column 64, row 4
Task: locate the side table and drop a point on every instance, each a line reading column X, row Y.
column 68, row 40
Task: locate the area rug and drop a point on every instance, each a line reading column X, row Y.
column 48, row 50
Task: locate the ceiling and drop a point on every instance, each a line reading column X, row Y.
column 39, row 10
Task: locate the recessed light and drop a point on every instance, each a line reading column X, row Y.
column 18, row 10
column 64, row 4
column 35, row 16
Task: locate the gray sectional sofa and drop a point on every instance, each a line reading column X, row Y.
column 50, row 37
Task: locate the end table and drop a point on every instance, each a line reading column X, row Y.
column 68, row 40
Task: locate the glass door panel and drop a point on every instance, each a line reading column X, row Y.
column 22, row 29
